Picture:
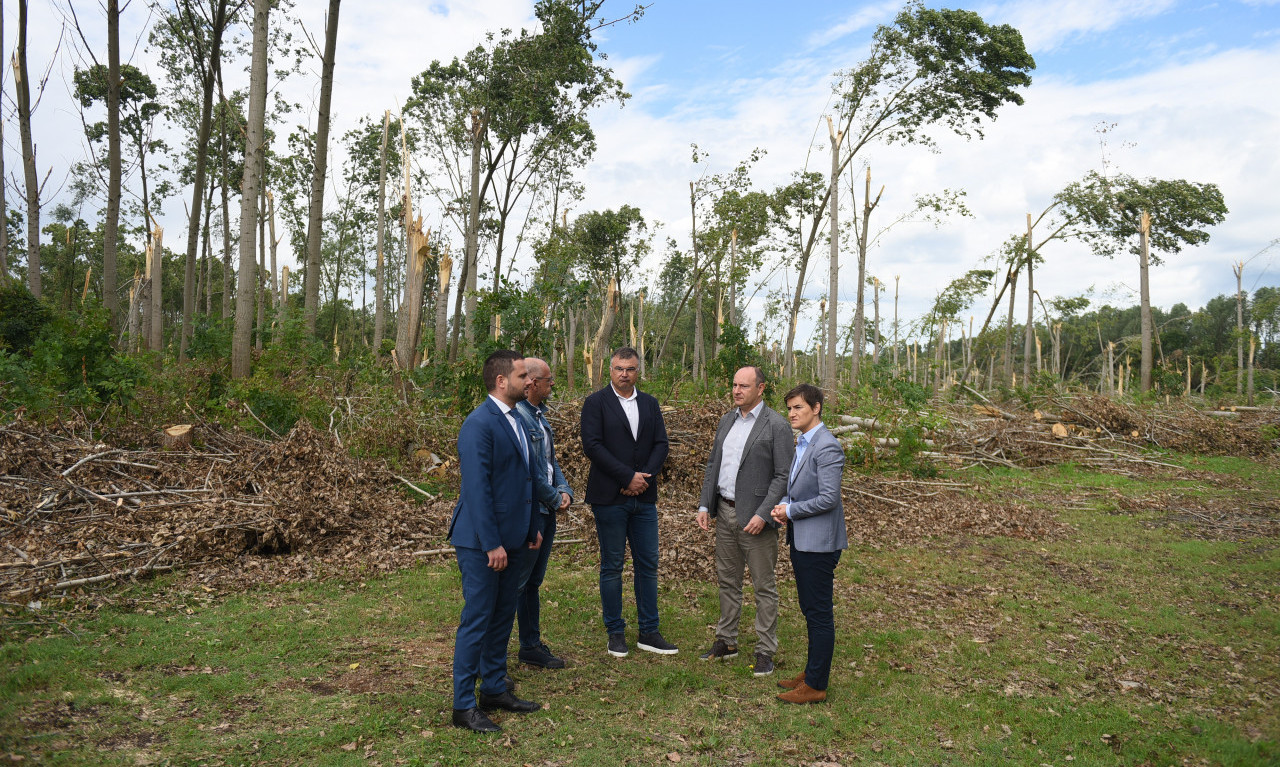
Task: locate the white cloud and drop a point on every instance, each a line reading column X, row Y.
column 865, row 17
column 1201, row 120
column 1045, row 28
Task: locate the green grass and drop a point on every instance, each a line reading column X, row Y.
column 1123, row 642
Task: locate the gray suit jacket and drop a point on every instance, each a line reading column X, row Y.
column 762, row 472
column 816, row 508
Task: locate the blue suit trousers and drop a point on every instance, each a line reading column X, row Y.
column 484, row 629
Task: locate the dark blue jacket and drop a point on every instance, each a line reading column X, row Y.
column 496, row 505
column 614, row 454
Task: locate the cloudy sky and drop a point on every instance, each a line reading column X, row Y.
column 1191, row 88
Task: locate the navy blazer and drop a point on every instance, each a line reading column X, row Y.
column 496, row 505
column 614, row 454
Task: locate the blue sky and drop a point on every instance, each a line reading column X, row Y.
column 1190, row 87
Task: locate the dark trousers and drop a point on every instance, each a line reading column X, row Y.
column 534, row 570
column 488, row 612
column 815, row 581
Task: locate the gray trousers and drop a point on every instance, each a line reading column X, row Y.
column 734, row 550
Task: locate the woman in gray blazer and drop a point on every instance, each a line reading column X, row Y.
column 814, row 514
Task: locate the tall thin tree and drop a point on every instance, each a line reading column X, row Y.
column 315, row 217
column 254, row 147
column 22, row 89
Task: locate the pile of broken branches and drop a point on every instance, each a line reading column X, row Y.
column 1100, row 432
column 74, row 512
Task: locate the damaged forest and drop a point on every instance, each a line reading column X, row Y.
column 229, row 452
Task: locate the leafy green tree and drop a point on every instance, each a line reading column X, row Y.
column 958, row 295
column 513, row 106
column 140, row 110
column 190, row 40
column 1147, row 218
column 931, row 68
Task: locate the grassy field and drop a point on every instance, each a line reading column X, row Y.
column 1147, row 634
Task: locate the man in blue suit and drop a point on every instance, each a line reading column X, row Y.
column 494, row 521
column 625, row 438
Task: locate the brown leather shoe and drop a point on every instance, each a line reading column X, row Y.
column 792, row 683
column 803, row 693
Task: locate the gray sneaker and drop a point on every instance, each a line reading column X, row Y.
column 653, row 642
column 618, row 645
column 763, row 665
column 720, row 650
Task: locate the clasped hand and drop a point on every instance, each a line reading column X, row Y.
column 639, row 483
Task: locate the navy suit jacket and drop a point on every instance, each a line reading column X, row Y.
column 614, row 454
column 496, row 505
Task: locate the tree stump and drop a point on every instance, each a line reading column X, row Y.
column 176, row 437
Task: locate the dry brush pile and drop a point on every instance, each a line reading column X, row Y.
column 238, row 510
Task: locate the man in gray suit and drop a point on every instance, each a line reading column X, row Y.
column 814, row 513
column 745, row 477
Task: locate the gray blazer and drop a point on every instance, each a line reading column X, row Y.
column 762, row 473
column 816, row 508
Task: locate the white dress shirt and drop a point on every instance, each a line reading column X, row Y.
column 630, row 406
column 511, row 419
column 731, row 452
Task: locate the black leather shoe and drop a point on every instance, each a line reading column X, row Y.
column 507, row 702
column 509, row 682
column 540, row 656
column 474, row 719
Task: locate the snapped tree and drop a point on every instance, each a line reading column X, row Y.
column 930, row 68
column 1147, row 217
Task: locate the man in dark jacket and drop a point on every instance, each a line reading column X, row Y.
column 625, row 439
column 494, row 524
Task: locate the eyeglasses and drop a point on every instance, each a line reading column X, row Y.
column 549, row 379
column 617, row 369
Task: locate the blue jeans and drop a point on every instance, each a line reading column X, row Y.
column 532, row 572
column 815, row 573
column 617, row 524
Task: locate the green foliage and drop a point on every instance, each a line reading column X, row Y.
column 522, row 320
column 735, row 353
column 278, row 409
column 71, row 363
column 22, row 316
column 1110, row 210
column 935, row 66
column 210, row 339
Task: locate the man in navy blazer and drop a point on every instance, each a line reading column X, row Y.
column 625, row 439
column 813, row 511
column 492, row 524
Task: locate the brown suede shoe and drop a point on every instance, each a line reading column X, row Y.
column 803, row 693
column 793, row 683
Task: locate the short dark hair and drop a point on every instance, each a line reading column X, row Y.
column 626, row 353
column 497, row 364
column 811, row 394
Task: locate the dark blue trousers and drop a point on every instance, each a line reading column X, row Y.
column 488, row 612
column 815, row 583
column 528, row 607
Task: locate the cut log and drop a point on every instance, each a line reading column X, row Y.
column 853, row 420
column 177, row 437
